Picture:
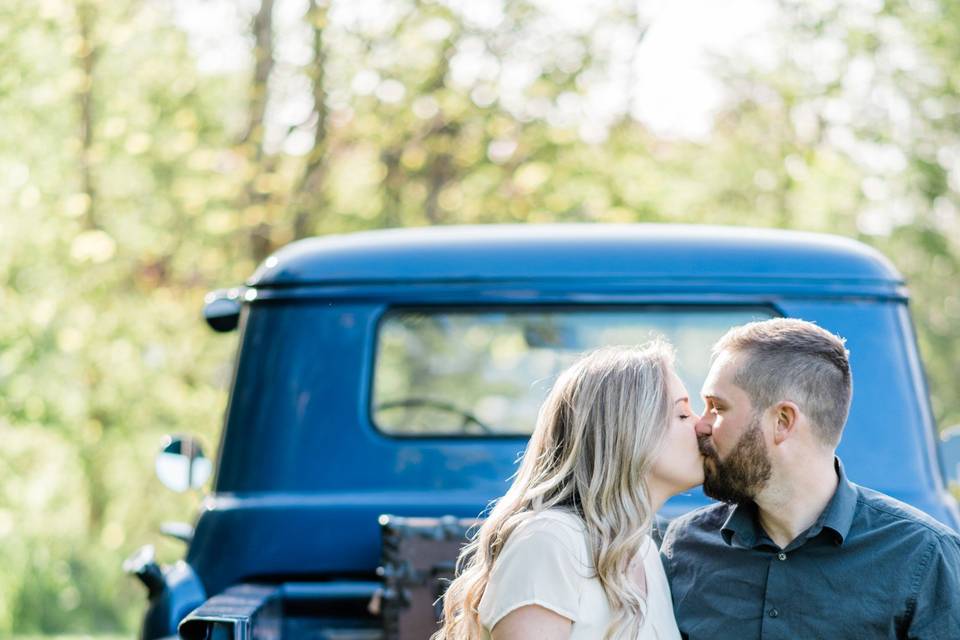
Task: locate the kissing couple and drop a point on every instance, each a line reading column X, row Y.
column 792, row 549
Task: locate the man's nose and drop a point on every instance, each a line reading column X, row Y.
column 703, row 426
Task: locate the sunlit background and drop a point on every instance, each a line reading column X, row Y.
column 151, row 150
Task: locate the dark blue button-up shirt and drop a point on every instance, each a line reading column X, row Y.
column 869, row 567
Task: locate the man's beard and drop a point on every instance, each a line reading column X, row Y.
column 743, row 473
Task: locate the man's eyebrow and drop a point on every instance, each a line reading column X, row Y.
column 714, row 398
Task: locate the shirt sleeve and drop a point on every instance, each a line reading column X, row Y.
column 937, row 609
column 536, row 566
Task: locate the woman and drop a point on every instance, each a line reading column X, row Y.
column 567, row 553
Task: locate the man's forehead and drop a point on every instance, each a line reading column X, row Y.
column 721, row 374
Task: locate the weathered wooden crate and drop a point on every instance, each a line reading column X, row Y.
column 418, row 561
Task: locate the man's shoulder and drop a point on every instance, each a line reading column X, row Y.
column 878, row 509
column 704, row 521
column 711, row 516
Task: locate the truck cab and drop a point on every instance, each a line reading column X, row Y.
column 400, row 372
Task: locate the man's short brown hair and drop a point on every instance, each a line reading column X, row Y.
column 791, row 359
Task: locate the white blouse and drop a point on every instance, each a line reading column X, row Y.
column 547, row 561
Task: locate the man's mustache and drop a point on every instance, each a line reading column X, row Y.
column 706, row 447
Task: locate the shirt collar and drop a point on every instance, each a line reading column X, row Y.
column 838, row 516
column 743, row 524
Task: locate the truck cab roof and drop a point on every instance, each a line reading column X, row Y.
column 583, row 251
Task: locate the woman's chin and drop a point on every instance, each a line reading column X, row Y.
column 695, row 480
column 686, row 484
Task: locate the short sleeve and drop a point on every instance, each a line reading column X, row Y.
column 539, row 564
column 937, row 607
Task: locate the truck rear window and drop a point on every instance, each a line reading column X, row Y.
column 469, row 373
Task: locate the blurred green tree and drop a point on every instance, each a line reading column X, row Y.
column 133, row 180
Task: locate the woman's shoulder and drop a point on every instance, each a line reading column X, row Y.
column 558, row 515
column 544, row 562
column 559, row 522
column 550, row 531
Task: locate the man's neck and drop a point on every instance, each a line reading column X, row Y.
column 795, row 498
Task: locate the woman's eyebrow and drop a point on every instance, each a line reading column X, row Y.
column 683, row 399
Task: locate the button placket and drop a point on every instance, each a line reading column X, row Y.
column 775, row 620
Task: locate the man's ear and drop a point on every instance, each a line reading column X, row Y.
column 787, row 414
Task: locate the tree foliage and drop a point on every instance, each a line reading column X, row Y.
column 131, row 182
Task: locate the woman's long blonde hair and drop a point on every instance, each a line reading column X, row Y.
column 596, row 437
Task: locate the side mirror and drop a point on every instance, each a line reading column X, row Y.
column 221, row 309
column 950, row 452
column 143, row 565
column 181, row 464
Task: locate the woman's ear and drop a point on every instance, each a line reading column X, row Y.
column 787, row 415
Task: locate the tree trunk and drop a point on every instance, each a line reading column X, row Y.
column 259, row 234
column 309, row 197
column 86, row 60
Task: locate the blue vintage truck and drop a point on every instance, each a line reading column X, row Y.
column 400, row 372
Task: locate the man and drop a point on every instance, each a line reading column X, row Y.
column 795, row 550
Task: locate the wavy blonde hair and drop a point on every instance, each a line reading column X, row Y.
column 595, row 441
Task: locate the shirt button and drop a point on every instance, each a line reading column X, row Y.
column 773, row 613
column 781, row 556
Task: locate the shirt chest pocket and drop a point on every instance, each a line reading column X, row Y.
column 856, row 602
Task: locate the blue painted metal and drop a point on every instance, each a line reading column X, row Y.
column 537, row 252
column 950, row 451
column 303, row 474
column 336, row 591
column 236, row 614
column 182, row 593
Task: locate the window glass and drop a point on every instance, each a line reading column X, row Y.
column 461, row 372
